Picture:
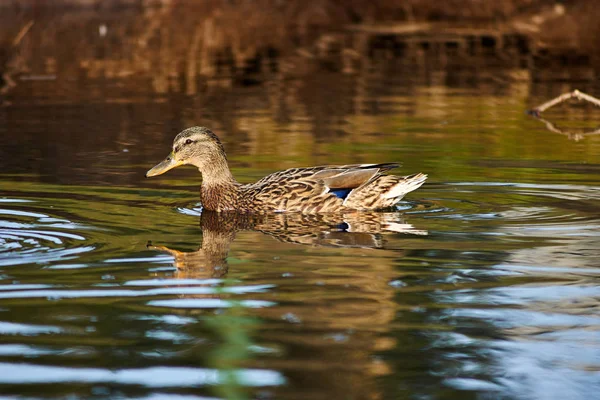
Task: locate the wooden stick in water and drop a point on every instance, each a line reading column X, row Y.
column 562, row 98
column 536, row 113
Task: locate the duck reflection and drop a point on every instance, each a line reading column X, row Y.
column 331, row 311
column 352, row 230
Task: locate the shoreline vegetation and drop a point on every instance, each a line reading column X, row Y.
column 189, row 45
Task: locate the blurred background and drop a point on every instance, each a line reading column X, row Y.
column 305, row 66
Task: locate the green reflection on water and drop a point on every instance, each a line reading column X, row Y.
column 233, row 330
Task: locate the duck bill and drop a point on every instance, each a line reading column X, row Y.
column 162, row 167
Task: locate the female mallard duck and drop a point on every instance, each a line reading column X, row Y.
column 306, row 190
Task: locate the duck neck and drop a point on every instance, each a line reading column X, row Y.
column 215, row 171
column 219, row 190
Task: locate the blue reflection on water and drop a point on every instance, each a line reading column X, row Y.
column 150, row 377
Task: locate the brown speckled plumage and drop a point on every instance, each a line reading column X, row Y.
column 306, row 190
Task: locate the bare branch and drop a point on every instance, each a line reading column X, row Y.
column 536, row 113
column 562, row 98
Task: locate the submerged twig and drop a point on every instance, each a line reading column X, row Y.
column 576, row 136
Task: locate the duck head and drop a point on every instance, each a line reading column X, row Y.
column 197, row 146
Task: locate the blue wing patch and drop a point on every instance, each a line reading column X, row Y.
column 343, row 227
column 341, row 193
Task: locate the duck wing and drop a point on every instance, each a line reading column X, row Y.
column 315, row 189
column 352, row 176
column 337, row 173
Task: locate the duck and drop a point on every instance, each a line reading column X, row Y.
column 311, row 190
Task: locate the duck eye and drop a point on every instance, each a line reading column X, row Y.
column 189, row 141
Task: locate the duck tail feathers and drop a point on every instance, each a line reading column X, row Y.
column 405, row 185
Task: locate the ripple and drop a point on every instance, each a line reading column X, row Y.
column 563, row 229
column 11, row 328
column 548, row 270
column 558, row 191
column 171, row 396
column 50, row 236
column 163, row 282
column 194, row 210
column 154, row 259
column 518, row 295
column 520, row 211
column 152, row 377
column 510, row 318
column 22, row 213
column 472, row 384
column 210, row 303
column 169, row 336
column 87, row 293
column 7, row 200
column 42, row 255
column 37, row 238
column 68, row 266
column 520, row 370
column 20, row 350
column 23, row 287
column 169, row 319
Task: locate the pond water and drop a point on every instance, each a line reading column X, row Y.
column 484, row 283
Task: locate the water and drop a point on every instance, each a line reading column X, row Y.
column 482, row 284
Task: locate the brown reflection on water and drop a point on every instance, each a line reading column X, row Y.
column 339, row 332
